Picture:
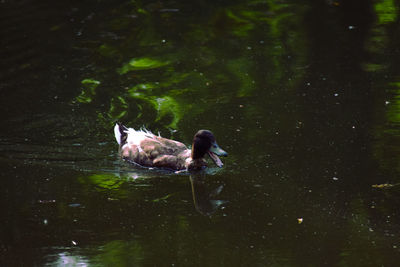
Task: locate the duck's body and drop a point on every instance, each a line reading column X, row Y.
column 146, row 149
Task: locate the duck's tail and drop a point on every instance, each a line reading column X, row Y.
column 120, row 133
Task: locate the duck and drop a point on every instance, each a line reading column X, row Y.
column 146, row 149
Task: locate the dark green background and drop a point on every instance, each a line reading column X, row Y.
column 303, row 95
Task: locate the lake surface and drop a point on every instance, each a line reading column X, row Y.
column 303, row 95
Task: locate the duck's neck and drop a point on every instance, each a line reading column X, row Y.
column 195, row 153
column 195, row 164
column 199, row 149
column 198, row 152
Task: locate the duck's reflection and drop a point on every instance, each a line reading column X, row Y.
column 205, row 195
column 204, row 198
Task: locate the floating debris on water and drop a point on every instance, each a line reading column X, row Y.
column 384, row 186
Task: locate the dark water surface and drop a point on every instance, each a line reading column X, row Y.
column 304, row 95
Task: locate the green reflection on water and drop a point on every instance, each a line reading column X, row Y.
column 178, row 74
column 386, row 11
column 242, row 25
column 142, row 64
column 393, row 111
column 107, row 50
column 379, row 43
column 241, row 67
column 106, row 181
column 88, row 91
column 167, row 109
column 118, row 107
column 120, row 253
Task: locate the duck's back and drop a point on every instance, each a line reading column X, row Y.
column 147, row 149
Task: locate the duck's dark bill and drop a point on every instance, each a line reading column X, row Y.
column 216, row 159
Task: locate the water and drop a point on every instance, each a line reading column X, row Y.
column 304, row 97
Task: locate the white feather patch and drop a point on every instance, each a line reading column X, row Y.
column 117, row 134
column 136, row 137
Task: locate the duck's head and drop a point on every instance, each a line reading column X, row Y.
column 204, row 143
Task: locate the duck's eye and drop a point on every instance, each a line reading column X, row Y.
column 215, row 146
